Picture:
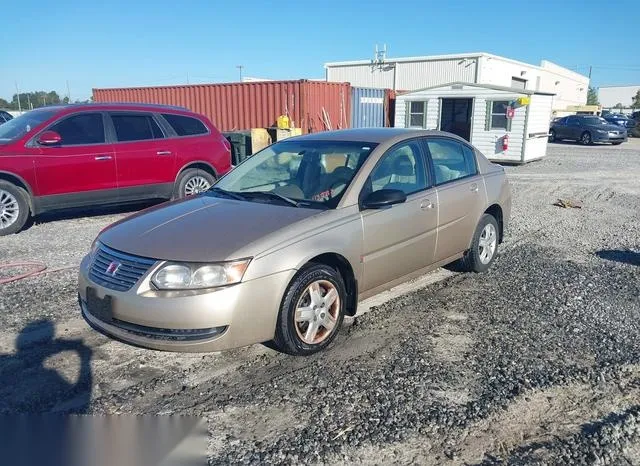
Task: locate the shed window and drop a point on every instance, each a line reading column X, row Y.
column 497, row 115
column 416, row 114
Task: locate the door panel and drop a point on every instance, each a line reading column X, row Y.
column 81, row 163
column 455, row 117
column 400, row 239
column 144, row 156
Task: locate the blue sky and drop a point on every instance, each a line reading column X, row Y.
column 119, row 43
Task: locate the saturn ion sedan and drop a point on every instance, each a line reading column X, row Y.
column 284, row 246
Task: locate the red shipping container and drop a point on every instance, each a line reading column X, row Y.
column 242, row 106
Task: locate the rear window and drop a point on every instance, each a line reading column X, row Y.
column 131, row 127
column 184, row 125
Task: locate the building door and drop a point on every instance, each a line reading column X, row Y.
column 455, row 117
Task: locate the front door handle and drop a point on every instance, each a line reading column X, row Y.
column 474, row 188
column 426, row 204
column 103, row 157
column 163, row 152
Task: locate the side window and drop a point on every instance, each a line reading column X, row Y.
column 83, row 128
column 401, row 168
column 497, row 115
column 416, row 112
column 184, row 125
column 135, row 127
column 451, row 160
column 573, row 121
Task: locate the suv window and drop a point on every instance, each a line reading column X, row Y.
column 83, row 128
column 401, row 168
column 573, row 121
column 451, row 160
column 135, row 127
column 184, row 125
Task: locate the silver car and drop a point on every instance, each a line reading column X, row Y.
column 285, row 245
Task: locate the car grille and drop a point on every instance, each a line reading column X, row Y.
column 117, row 270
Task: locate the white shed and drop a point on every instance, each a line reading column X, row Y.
column 477, row 113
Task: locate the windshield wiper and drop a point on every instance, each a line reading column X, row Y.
column 276, row 196
column 230, row 194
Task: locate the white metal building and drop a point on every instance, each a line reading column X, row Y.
column 610, row 96
column 477, row 112
column 407, row 74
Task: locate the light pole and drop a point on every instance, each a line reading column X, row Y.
column 240, row 68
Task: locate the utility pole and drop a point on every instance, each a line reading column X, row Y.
column 590, row 67
column 240, row 68
column 68, row 93
column 18, row 93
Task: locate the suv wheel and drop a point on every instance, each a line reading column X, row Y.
column 484, row 246
column 14, row 208
column 311, row 312
column 585, row 139
column 552, row 135
column 193, row 181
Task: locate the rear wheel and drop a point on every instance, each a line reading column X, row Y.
column 14, row 208
column 311, row 312
column 552, row 135
column 484, row 246
column 193, row 181
column 585, row 139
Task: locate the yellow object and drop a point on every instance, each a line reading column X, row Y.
column 259, row 139
column 524, row 100
column 283, row 122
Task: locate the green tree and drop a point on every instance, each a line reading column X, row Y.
column 29, row 100
column 618, row 105
column 635, row 100
column 592, row 96
column 4, row 103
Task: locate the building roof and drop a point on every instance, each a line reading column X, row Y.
column 515, row 90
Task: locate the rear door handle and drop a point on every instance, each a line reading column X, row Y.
column 473, row 188
column 103, row 157
column 163, row 152
column 426, row 204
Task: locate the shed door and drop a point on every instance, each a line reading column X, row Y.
column 455, row 117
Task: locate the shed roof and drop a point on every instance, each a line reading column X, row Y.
column 514, row 90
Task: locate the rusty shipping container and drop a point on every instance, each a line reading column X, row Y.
column 242, row 106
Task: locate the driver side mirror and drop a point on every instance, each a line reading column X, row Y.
column 49, row 138
column 383, row 198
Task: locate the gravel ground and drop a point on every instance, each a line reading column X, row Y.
column 535, row 362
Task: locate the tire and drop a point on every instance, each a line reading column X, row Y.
column 616, row 143
column 293, row 327
column 475, row 259
column 193, row 181
column 14, row 208
column 552, row 135
column 585, row 139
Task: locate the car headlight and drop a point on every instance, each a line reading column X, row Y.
column 601, row 131
column 181, row 276
column 94, row 247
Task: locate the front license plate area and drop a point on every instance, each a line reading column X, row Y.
column 100, row 308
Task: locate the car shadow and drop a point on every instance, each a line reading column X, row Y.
column 29, row 386
column 93, row 211
column 622, row 256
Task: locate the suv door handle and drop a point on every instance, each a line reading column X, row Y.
column 474, row 188
column 103, row 157
column 426, row 204
column 163, row 152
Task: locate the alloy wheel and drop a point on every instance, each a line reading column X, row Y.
column 586, row 139
column 196, row 185
column 317, row 312
column 487, row 243
column 9, row 209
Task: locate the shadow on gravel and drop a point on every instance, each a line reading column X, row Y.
column 30, row 386
column 625, row 257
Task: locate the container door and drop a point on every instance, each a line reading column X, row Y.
column 367, row 108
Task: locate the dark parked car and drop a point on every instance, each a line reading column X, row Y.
column 94, row 154
column 587, row 129
column 5, row 116
column 620, row 120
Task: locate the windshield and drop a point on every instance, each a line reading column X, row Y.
column 23, row 124
column 594, row 120
column 313, row 173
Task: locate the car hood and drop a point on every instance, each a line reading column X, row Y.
column 200, row 229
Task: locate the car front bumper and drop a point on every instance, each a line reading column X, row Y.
column 609, row 137
column 220, row 319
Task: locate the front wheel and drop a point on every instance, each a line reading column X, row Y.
column 14, row 208
column 484, row 246
column 193, row 181
column 585, row 139
column 311, row 312
column 552, row 136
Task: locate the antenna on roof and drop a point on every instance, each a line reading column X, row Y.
column 379, row 58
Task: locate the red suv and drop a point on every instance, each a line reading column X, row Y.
column 79, row 155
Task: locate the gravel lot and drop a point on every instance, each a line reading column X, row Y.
column 535, row 362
